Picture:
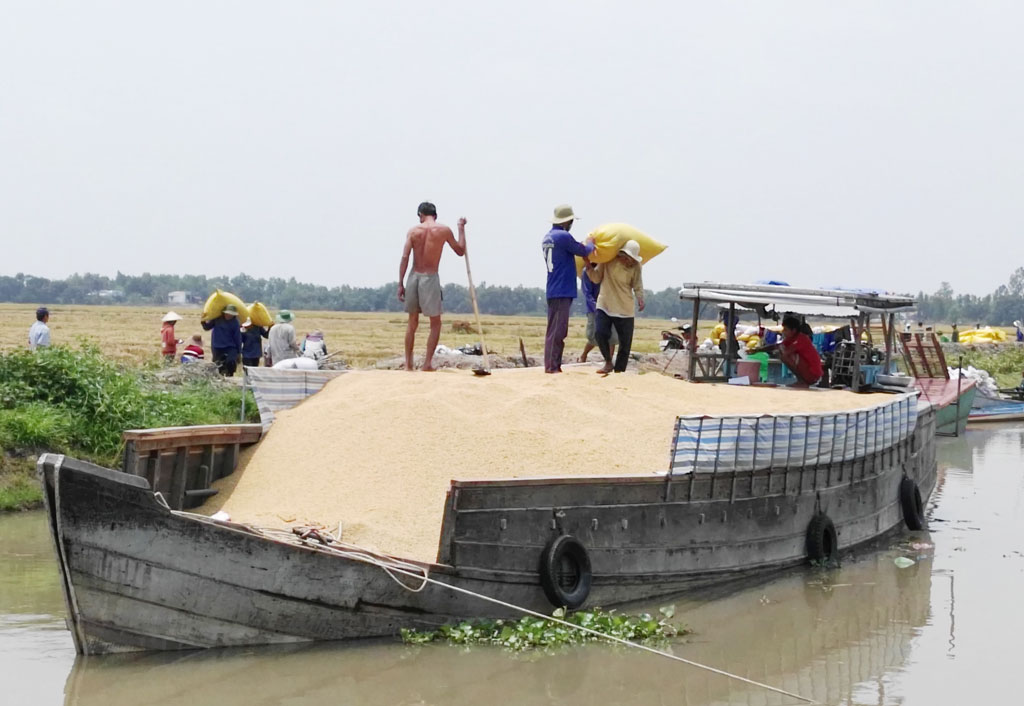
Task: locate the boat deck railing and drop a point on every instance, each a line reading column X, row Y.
column 730, row 443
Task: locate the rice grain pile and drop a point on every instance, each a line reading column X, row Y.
column 375, row 450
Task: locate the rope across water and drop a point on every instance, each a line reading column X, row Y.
column 322, row 541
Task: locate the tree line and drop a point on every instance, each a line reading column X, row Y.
column 277, row 293
column 1000, row 308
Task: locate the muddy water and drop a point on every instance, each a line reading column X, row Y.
column 945, row 630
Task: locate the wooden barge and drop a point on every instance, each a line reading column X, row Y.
column 744, row 495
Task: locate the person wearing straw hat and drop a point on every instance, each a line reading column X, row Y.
column 620, row 281
column 167, row 336
column 281, row 342
column 226, row 340
column 560, row 251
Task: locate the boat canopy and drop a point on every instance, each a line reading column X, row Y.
column 766, row 298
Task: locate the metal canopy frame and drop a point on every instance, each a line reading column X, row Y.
column 826, row 303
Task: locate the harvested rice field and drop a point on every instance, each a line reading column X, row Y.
column 376, row 450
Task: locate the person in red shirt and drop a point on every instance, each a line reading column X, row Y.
column 193, row 351
column 170, row 342
column 798, row 353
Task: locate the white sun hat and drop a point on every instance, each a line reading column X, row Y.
column 171, row 316
column 563, row 214
column 632, row 248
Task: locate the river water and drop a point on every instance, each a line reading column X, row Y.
column 942, row 631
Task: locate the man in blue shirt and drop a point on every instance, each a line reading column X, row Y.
column 226, row 340
column 560, row 251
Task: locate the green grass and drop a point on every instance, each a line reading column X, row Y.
column 19, row 489
column 1004, row 365
column 79, row 402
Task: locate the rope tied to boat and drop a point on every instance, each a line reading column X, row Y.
column 320, row 540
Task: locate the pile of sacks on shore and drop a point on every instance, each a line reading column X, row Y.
column 985, row 383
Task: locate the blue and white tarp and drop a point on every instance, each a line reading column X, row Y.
column 276, row 389
column 752, row 442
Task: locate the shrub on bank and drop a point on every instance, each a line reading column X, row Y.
column 77, row 401
column 1005, row 364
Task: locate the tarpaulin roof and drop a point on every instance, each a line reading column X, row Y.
column 764, row 298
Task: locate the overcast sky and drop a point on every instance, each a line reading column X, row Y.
column 874, row 144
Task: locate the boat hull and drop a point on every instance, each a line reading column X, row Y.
column 139, row 576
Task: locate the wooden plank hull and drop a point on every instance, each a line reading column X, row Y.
column 138, row 576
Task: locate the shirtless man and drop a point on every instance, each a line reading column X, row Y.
column 426, row 243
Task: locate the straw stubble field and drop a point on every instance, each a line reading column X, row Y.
column 132, row 334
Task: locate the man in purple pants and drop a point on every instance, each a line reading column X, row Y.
column 560, row 250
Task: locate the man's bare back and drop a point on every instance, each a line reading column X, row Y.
column 426, row 241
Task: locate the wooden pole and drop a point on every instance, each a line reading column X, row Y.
column 890, row 342
column 692, row 372
column 476, row 312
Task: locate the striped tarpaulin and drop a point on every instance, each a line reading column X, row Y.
column 753, row 442
column 275, row 390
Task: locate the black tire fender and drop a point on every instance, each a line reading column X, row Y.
column 822, row 539
column 565, row 573
column 910, row 501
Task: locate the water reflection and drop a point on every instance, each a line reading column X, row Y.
column 941, row 631
column 818, row 634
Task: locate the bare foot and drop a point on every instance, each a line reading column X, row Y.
column 429, row 369
column 605, row 370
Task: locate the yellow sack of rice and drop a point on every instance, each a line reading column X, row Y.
column 214, row 306
column 259, row 315
column 610, row 238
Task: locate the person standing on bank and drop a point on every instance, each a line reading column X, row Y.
column 226, row 340
column 281, row 341
column 168, row 338
column 252, row 345
column 422, row 293
column 621, row 280
column 39, row 332
column 560, row 252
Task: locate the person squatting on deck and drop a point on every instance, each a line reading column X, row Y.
column 281, row 341
column 252, row 343
column 422, row 293
column 620, row 281
column 560, row 251
column 798, row 353
column 590, row 294
column 39, row 332
column 226, row 340
column 168, row 339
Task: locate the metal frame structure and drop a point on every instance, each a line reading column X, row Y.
column 771, row 299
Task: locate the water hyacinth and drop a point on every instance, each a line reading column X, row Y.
column 531, row 632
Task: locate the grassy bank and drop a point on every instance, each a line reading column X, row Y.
column 1004, row 364
column 77, row 401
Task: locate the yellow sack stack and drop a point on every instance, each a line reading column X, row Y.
column 610, row 238
column 986, row 334
column 214, row 306
column 260, row 316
